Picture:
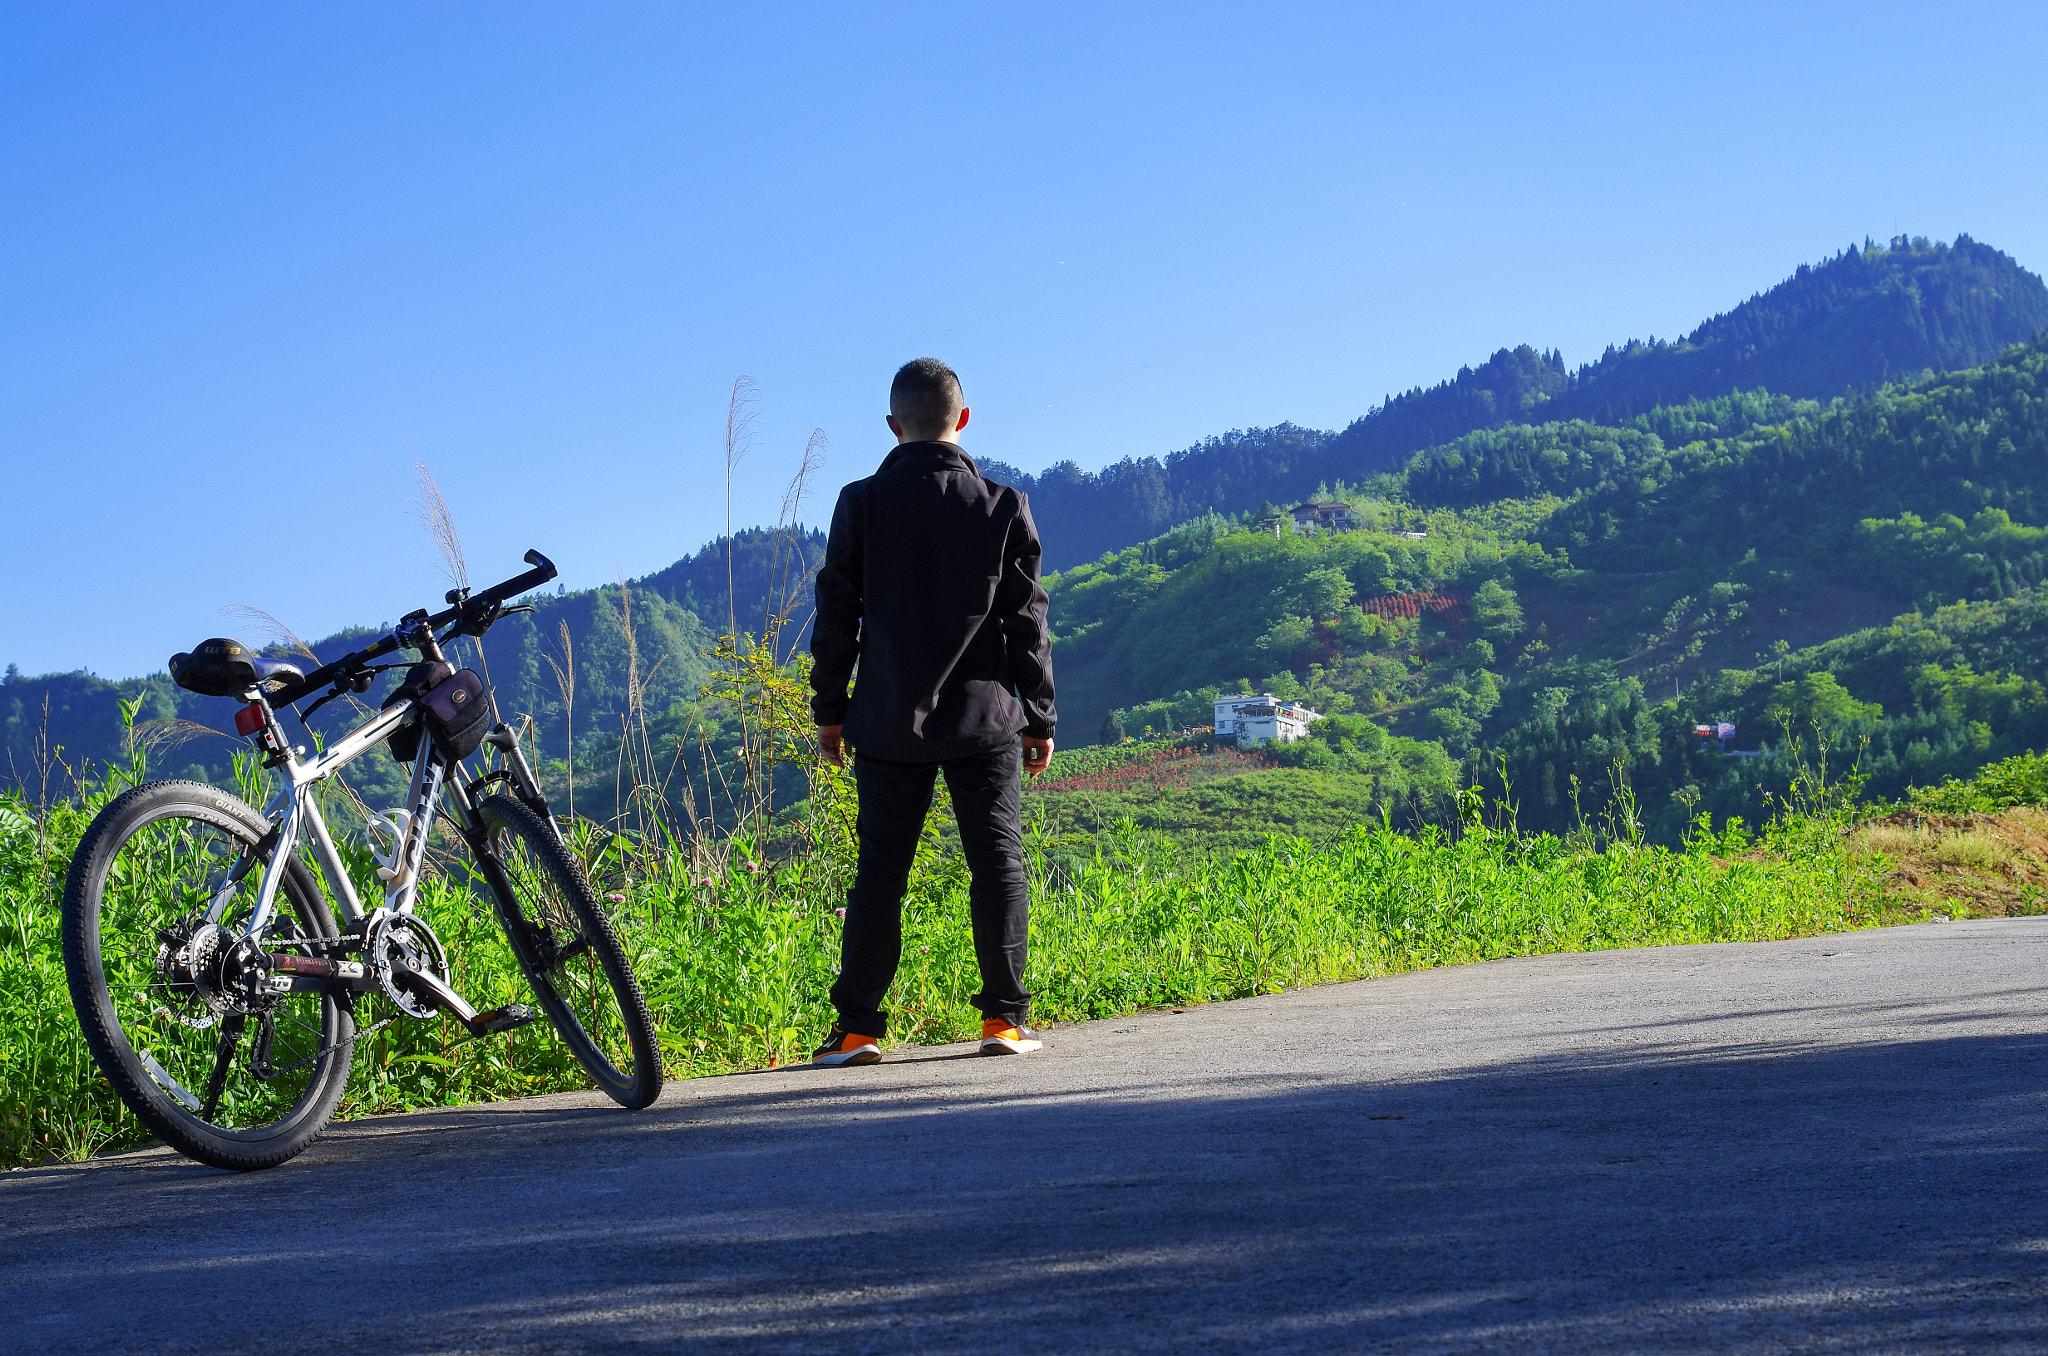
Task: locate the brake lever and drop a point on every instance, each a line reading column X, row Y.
column 482, row 620
column 306, row 716
column 357, row 683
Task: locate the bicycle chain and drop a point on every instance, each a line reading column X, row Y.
column 366, row 1031
column 319, row 943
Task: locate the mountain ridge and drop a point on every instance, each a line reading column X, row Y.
column 1860, row 318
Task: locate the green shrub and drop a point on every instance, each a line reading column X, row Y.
column 2021, row 780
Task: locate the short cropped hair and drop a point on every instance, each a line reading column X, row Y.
column 925, row 398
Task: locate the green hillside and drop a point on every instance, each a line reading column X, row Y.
column 1861, row 566
column 645, row 636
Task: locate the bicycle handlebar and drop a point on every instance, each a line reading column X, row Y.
column 474, row 605
column 542, row 571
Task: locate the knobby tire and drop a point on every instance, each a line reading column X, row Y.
column 590, row 994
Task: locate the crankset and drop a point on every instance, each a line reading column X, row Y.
column 409, row 963
column 411, row 966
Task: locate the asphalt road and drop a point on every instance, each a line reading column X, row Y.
column 1816, row 1145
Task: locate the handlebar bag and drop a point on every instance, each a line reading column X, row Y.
column 404, row 743
column 458, row 713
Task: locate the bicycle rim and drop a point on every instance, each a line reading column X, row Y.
column 571, row 954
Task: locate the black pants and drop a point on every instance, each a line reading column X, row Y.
column 894, row 799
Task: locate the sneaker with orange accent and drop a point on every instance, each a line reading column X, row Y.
column 846, row 1047
column 999, row 1037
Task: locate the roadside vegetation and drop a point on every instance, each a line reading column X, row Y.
column 734, row 933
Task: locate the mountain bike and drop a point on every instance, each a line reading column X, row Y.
column 217, row 990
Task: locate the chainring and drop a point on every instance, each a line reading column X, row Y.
column 399, row 944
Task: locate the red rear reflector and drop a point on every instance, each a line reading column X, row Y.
column 249, row 719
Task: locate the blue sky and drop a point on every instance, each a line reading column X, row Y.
column 257, row 260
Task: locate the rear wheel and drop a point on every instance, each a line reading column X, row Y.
column 175, row 1005
column 571, row 954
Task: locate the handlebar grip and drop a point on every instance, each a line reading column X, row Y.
column 329, row 673
column 543, row 570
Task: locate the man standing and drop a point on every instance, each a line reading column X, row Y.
column 930, row 584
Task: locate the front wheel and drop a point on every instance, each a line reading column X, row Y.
column 571, row 954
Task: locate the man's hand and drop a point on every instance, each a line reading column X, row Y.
column 1037, row 755
column 829, row 745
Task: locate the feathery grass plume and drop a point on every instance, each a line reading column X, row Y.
column 739, row 441
column 432, row 511
column 431, row 508
column 565, row 684
column 259, row 622
column 262, row 623
column 782, row 601
column 165, row 732
column 642, row 787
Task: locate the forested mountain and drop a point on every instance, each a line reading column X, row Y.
column 643, row 636
column 1866, row 316
column 1590, row 582
column 770, row 571
column 1596, row 590
column 1863, row 317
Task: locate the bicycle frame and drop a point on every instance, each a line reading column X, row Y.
column 295, row 812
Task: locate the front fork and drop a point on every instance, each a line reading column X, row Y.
column 525, row 785
column 518, row 776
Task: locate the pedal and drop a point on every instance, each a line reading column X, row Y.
column 511, row 1016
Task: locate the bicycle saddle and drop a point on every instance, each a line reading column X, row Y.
column 225, row 667
column 278, row 672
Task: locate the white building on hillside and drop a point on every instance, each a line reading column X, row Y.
column 1331, row 513
column 1262, row 719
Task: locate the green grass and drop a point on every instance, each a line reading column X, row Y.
column 2020, row 780
column 737, row 963
column 1094, row 760
column 1235, row 811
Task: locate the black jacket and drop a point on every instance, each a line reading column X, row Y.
column 930, row 582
